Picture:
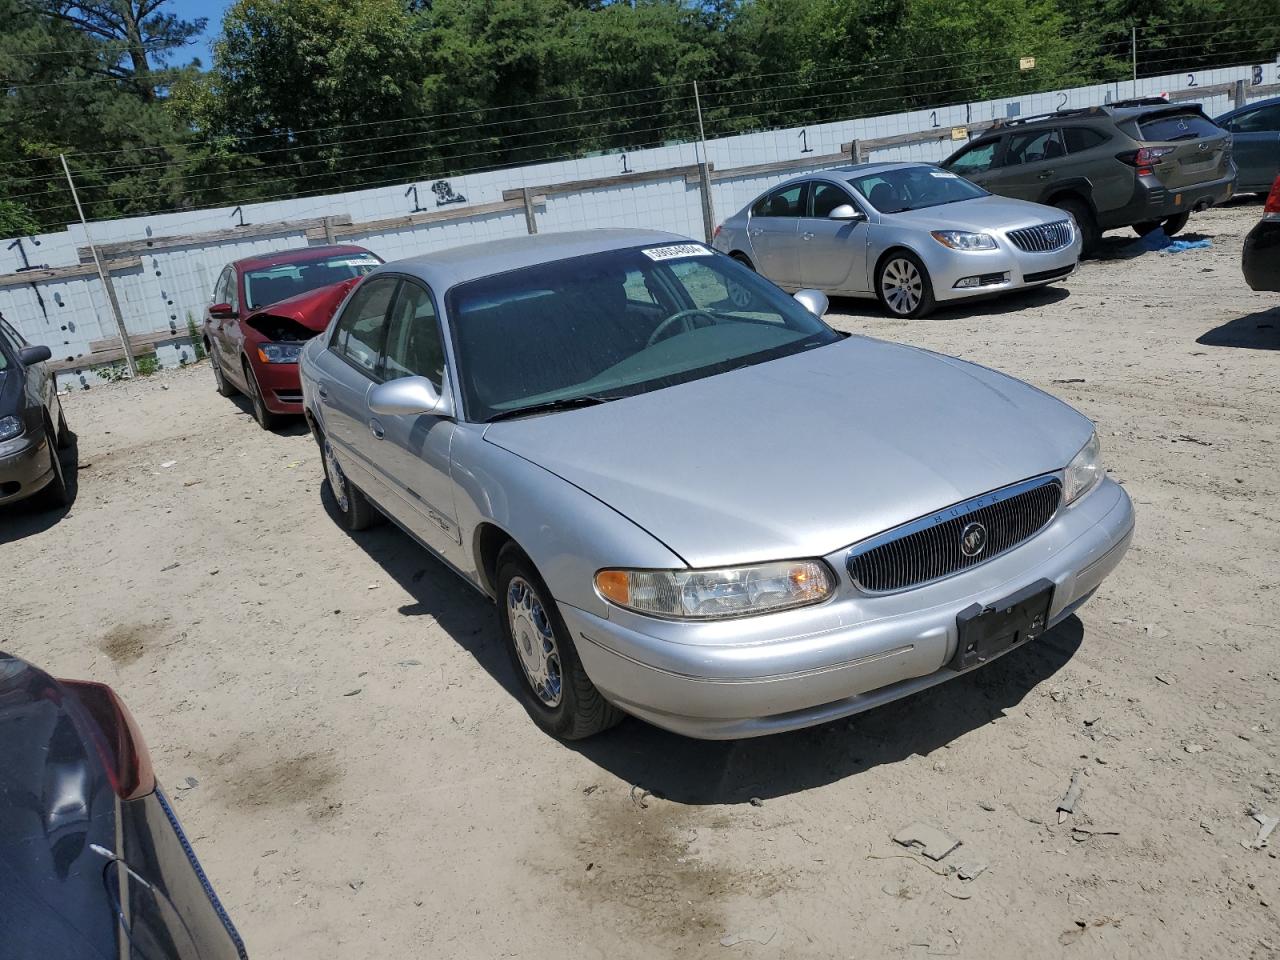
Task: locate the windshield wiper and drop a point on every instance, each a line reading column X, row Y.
column 566, row 403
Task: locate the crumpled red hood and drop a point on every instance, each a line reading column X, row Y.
column 313, row 309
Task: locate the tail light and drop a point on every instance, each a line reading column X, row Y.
column 120, row 745
column 1272, row 210
column 1145, row 159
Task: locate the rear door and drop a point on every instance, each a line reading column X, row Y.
column 1031, row 162
column 345, row 372
column 1197, row 147
column 833, row 253
column 773, row 229
column 1256, row 136
column 412, row 452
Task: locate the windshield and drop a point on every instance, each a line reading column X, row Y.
column 914, row 188
column 616, row 324
column 273, row 284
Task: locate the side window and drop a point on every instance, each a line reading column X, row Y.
column 358, row 336
column 1079, row 139
column 1262, row 120
column 977, row 159
column 413, row 345
column 784, row 202
column 825, row 197
column 1034, row 146
column 220, row 288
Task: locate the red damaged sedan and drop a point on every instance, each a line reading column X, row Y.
column 264, row 309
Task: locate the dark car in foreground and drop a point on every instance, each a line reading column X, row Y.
column 1136, row 163
column 264, row 309
column 1261, row 259
column 32, row 426
column 1255, row 131
column 93, row 861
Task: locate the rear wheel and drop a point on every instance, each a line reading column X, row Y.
column 64, row 432
column 903, row 285
column 1175, row 225
column 223, row 386
column 1144, row 227
column 1086, row 223
column 743, row 259
column 266, row 419
column 554, row 687
column 354, row 509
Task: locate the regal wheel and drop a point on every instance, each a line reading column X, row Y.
column 903, row 286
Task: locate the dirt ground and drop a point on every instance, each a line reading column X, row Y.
column 364, row 784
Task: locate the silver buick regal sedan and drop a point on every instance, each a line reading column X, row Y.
column 910, row 234
column 692, row 500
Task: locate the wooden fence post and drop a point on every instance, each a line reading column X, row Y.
column 530, row 218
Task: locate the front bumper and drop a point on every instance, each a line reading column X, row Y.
column 855, row 652
column 1023, row 269
column 1261, row 258
column 26, row 467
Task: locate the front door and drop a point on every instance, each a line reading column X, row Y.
column 772, row 229
column 833, row 253
column 412, row 454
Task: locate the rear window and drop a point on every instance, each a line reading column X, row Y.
column 1184, row 125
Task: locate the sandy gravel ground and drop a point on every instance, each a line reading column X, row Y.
column 367, row 785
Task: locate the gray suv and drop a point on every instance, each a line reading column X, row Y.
column 1139, row 163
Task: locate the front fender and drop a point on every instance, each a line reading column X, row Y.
column 567, row 533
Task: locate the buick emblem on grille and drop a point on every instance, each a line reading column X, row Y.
column 973, row 538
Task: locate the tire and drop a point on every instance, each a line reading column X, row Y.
column 743, row 259
column 55, row 493
column 903, row 286
column 1146, row 226
column 221, row 384
column 354, row 510
column 64, row 432
column 554, row 687
column 1086, row 223
column 266, row 419
column 1175, row 225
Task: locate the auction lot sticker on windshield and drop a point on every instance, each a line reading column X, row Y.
column 677, row 250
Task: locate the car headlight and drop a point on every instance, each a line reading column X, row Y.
column 280, row 352
column 959, row 240
column 1084, row 470
column 10, row 427
column 714, row 594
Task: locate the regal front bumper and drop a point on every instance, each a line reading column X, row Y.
column 855, row 652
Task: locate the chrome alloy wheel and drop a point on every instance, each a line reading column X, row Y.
column 337, row 479
column 535, row 641
column 901, row 285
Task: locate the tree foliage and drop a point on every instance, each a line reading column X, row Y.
column 312, row 96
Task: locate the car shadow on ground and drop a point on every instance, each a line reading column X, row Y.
column 709, row 772
column 1014, row 302
column 1254, row 331
column 26, row 518
column 289, row 426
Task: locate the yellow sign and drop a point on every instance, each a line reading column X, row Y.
column 959, row 133
column 1027, row 63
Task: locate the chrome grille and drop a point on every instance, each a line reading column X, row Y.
column 930, row 548
column 1044, row 238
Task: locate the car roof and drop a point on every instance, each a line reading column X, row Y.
column 297, row 255
column 848, row 172
column 1269, row 102
column 449, row 267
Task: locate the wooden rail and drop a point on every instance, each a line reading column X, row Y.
column 50, row 274
column 154, row 244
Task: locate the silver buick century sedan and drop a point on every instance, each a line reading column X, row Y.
column 692, row 500
column 910, row 234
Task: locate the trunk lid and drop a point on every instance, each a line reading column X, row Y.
column 1199, row 150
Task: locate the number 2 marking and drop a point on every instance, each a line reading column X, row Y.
column 1063, row 102
column 1191, row 80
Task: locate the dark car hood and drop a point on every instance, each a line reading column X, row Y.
column 57, row 800
column 801, row 456
column 313, row 309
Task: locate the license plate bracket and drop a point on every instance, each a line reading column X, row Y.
column 986, row 632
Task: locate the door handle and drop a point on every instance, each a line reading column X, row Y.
column 376, row 429
column 807, row 236
column 1046, row 175
column 755, row 232
column 322, row 393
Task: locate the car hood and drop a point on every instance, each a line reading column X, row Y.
column 312, row 309
column 801, row 456
column 983, row 213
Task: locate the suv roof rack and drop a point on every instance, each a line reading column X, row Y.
column 1082, row 111
column 1141, row 102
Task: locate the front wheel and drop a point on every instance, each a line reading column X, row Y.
column 56, row 493
column 554, row 687
column 355, row 512
column 266, row 419
column 903, row 286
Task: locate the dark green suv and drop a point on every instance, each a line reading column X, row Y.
column 1139, row 163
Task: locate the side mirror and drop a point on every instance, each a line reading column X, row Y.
column 29, row 356
column 221, row 311
column 846, row 211
column 408, row 396
column 815, row 301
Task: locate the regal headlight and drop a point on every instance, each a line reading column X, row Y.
column 280, row 352
column 959, row 240
column 1084, row 470
column 10, row 427
column 714, row 594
